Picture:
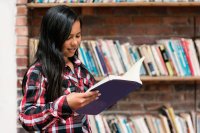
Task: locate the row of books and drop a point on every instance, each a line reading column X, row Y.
column 106, row 1
column 168, row 57
column 165, row 122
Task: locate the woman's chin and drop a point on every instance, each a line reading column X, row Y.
column 70, row 55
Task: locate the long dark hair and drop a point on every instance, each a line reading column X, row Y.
column 55, row 29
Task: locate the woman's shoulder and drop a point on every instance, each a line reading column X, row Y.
column 35, row 68
column 34, row 72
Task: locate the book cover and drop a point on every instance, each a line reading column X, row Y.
column 113, row 88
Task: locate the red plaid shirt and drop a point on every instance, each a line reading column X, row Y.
column 36, row 115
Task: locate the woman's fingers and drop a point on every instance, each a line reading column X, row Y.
column 91, row 94
column 78, row 100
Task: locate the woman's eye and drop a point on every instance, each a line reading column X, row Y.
column 77, row 36
column 69, row 38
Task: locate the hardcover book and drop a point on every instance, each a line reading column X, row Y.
column 113, row 88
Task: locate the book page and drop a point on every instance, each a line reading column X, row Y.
column 133, row 74
column 106, row 79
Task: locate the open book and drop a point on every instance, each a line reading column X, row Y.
column 113, row 88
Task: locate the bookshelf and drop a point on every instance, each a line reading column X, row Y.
column 149, row 5
column 188, row 86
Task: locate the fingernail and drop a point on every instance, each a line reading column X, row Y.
column 99, row 94
column 96, row 98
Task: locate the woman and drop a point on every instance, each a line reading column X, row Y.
column 54, row 86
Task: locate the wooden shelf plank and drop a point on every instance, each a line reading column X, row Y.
column 170, row 78
column 121, row 4
column 166, row 79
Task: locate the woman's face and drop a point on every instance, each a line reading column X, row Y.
column 72, row 43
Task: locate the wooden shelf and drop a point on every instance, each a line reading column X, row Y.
column 166, row 79
column 170, row 78
column 121, row 4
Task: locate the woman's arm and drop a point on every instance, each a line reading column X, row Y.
column 35, row 113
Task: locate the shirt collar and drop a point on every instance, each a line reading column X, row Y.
column 76, row 61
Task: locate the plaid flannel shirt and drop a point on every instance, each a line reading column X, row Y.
column 37, row 115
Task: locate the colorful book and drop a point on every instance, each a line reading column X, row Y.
column 166, row 59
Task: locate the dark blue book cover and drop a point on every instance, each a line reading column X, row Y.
column 114, row 88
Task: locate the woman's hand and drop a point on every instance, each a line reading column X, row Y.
column 79, row 100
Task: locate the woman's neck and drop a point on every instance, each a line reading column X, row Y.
column 70, row 64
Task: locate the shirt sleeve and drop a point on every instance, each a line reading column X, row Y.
column 34, row 112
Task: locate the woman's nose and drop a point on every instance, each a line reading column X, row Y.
column 75, row 41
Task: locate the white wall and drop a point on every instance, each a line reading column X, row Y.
column 8, row 78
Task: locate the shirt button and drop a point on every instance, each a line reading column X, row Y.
column 63, row 121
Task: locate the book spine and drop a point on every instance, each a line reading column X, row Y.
column 120, row 55
column 137, row 56
column 183, row 56
column 186, row 51
column 99, row 53
column 166, row 59
column 105, row 48
column 172, row 44
column 90, row 43
column 98, row 59
column 148, row 64
column 172, row 55
column 193, row 56
column 105, row 56
column 85, row 59
column 159, row 61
